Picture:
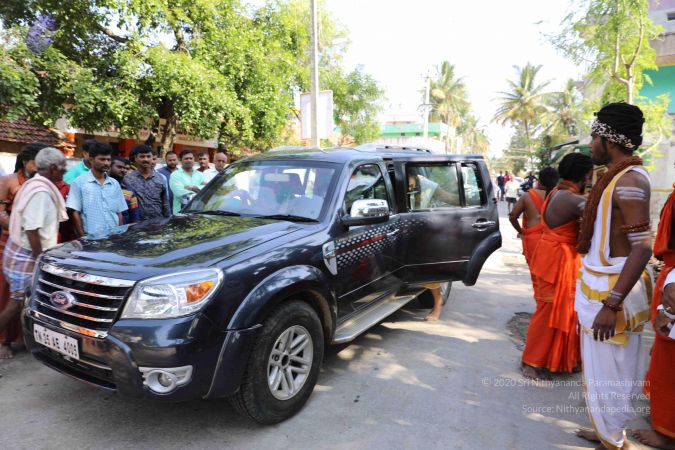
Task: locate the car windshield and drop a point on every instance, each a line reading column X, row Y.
column 284, row 190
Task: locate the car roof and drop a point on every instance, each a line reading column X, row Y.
column 348, row 154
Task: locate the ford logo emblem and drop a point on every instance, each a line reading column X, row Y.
column 62, row 299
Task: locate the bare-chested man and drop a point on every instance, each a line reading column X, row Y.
column 9, row 186
column 611, row 297
column 552, row 344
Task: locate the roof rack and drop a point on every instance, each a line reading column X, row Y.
column 390, row 148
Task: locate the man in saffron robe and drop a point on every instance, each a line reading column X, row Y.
column 660, row 385
column 552, row 343
column 530, row 204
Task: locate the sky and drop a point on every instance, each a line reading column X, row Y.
column 399, row 41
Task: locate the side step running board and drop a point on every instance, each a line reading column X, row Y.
column 363, row 320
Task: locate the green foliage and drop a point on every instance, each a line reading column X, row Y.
column 355, row 95
column 448, row 96
column 450, row 105
column 110, row 66
column 17, row 85
column 204, row 67
column 612, row 38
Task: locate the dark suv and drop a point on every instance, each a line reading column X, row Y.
column 277, row 257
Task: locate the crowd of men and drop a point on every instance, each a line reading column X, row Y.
column 588, row 256
column 42, row 204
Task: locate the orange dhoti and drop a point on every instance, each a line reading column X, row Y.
column 660, row 383
column 661, row 376
column 552, row 340
column 530, row 237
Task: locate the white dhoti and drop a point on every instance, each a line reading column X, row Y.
column 613, row 370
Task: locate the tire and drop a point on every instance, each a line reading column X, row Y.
column 255, row 398
column 426, row 300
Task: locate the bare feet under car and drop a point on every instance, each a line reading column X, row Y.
column 6, row 351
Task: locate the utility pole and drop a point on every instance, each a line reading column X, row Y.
column 315, row 77
column 427, row 107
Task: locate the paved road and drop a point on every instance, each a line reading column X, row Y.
column 405, row 384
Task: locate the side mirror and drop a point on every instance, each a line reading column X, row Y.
column 366, row 212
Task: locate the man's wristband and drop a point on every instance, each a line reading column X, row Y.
column 615, row 308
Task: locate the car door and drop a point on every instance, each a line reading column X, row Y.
column 447, row 215
column 365, row 262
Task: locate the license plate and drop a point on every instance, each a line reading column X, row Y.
column 56, row 341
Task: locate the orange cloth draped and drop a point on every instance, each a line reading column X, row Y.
column 660, row 385
column 552, row 339
column 13, row 331
column 531, row 236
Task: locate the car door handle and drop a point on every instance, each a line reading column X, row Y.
column 393, row 232
column 484, row 224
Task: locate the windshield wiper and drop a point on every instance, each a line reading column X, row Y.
column 290, row 217
column 213, row 212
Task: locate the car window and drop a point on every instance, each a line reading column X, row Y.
column 366, row 183
column 473, row 191
column 264, row 188
column 432, row 186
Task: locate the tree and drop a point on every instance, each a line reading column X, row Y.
column 475, row 139
column 524, row 104
column 518, row 151
column 203, row 67
column 356, row 97
column 612, row 38
column 447, row 96
column 564, row 114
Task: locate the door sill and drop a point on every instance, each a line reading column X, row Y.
column 366, row 318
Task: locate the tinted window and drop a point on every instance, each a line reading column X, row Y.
column 473, row 191
column 263, row 188
column 366, row 183
column 432, row 186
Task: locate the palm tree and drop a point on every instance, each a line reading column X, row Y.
column 447, row 96
column 524, row 102
column 475, row 140
column 564, row 115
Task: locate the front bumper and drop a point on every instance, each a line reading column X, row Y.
column 218, row 358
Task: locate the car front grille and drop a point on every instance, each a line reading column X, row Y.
column 97, row 299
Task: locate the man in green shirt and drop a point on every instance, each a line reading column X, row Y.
column 185, row 180
column 83, row 166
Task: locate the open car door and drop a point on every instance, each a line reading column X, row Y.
column 449, row 220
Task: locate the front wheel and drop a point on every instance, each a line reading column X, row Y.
column 283, row 366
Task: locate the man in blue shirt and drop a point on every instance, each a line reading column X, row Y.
column 83, row 166
column 96, row 200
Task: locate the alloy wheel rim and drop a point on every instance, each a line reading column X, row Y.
column 289, row 362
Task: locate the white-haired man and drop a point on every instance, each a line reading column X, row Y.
column 33, row 227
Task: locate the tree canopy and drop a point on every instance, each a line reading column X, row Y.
column 201, row 67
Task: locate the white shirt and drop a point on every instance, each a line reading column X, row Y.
column 210, row 174
column 40, row 214
column 512, row 189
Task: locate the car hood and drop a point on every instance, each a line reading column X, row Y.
column 157, row 247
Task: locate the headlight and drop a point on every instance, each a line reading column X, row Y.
column 174, row 295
